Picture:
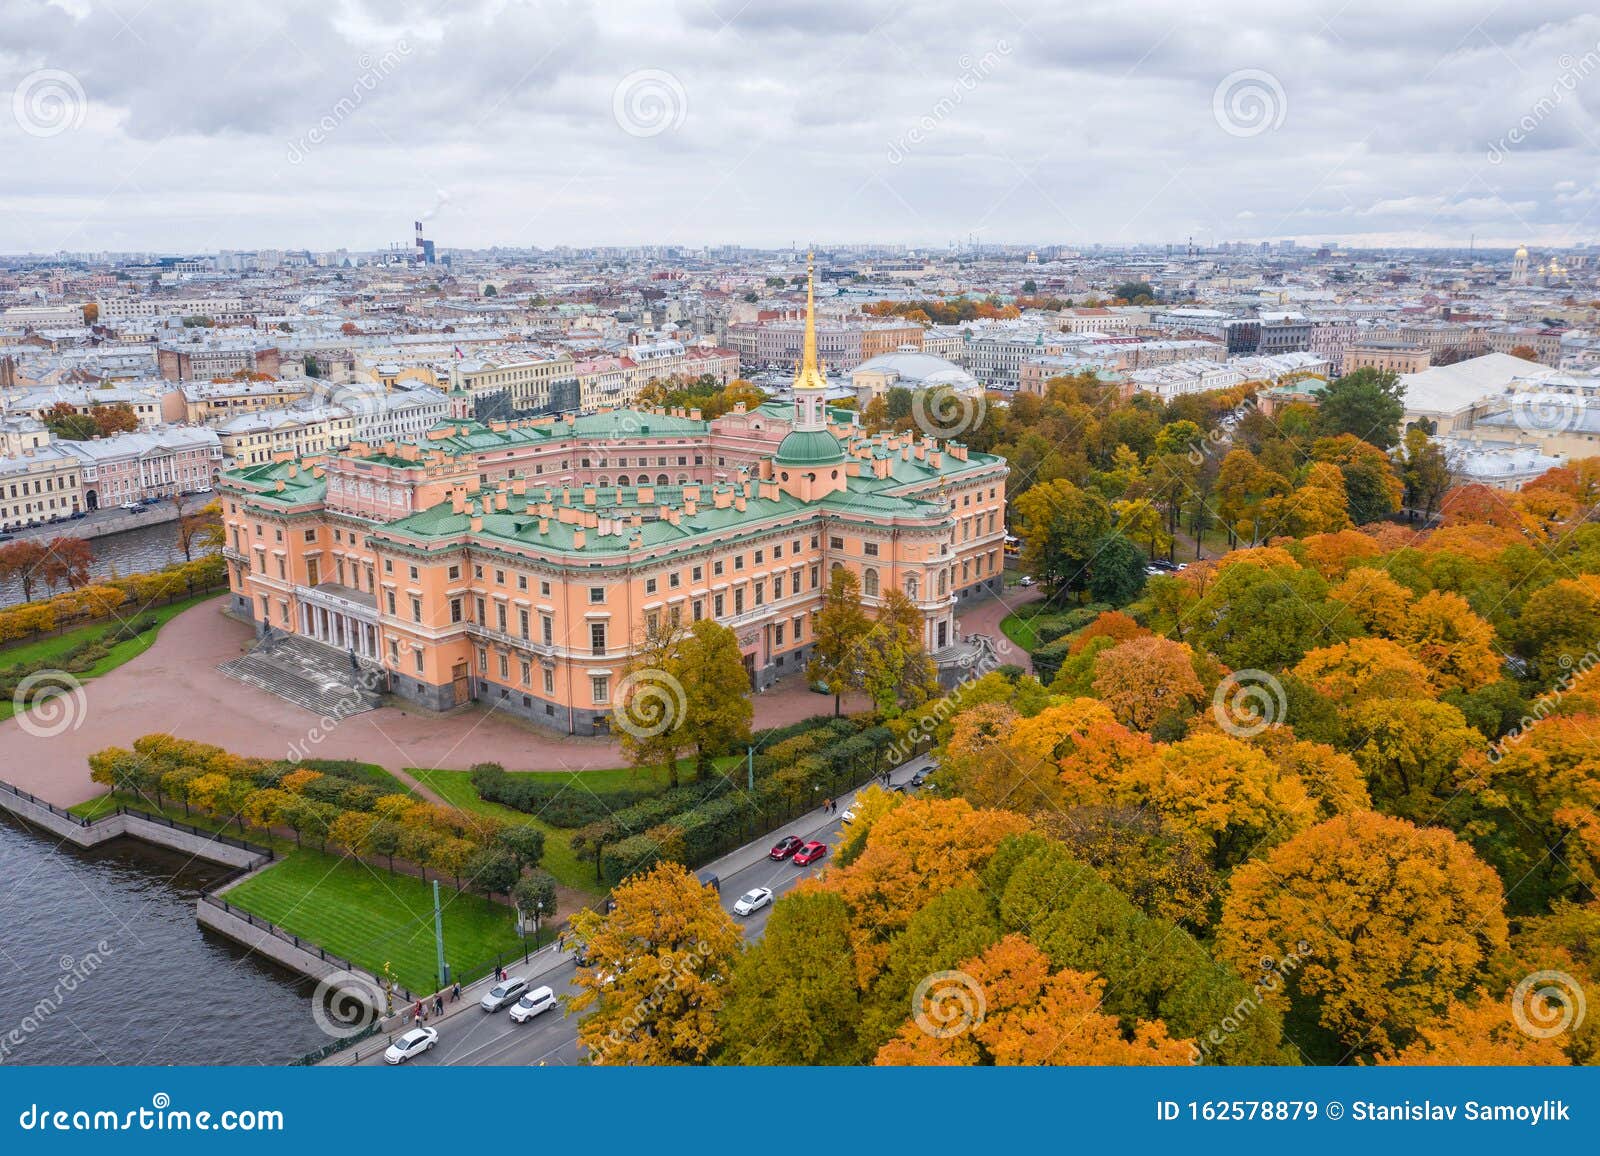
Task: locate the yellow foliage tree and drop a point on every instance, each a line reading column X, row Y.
column 1390, row 922
column 1004, row 1008
column 662, row 958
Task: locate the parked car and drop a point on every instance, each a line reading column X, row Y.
column 130, row 504
column 921, row 776
column 848, row 817
column 1025, row 580
column 413, row 1043
column 502, row 994
column 538, row 1000
column 787, row 846
column 753, row 900
column 810, row 853
column 76, row 514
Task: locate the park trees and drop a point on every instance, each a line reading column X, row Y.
column 793, row 996
column 662, row 958
column 1365, row 403
column 1395, row 921
column 1028, row 1016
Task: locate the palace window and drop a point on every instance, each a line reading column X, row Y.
column 597, row 595
column 549, row 681
column 600, row 688
column 869, row 582
column 597, row 637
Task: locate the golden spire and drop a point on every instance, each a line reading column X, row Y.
column 809, row 373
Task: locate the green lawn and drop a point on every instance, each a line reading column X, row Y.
column 45, row 649
column 373, row 918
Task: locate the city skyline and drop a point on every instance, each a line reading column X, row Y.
column 306, row 127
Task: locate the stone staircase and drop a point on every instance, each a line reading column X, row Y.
column 309, row 674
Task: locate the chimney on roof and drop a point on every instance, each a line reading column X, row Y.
column 577, row 539
column 588, row 495
column 544, row 527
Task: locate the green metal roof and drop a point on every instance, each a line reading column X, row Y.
column 809, row 448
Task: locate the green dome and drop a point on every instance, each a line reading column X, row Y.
column 815, row 447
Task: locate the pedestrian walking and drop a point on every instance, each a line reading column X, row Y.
column 455, row 992
column 416, row 1012
column 438, row 1004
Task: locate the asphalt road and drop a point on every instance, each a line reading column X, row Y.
column 482, row 1038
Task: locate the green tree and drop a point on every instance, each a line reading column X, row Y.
column 838, row 654
column 793, row 998
column 524, row 841
column 1367, row 403
column 535, row 896
column 717, row 711
column 1116, row 572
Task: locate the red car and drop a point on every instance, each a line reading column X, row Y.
column 787, row 846
column 810, row 853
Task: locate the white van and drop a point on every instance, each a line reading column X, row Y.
column 538, row 1000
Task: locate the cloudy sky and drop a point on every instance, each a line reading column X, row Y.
column 189, row 125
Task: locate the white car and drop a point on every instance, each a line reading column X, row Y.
column 848, row 817
column 753, row 900
column 1025, row 580
column 501, row 994
column 131, row 506
column 538, row 1000
column 413, row 1043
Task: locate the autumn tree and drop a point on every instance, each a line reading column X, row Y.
column 838, row 659
column 1229, row 794
column 1395, row 921
column 20, row 562
column 1411, row 750
column 1060, row 526
column 1478, row 1032
column 1005, row 1008
column 662, row 958
column 900, row 674
column 1148, row 680
column 916, row 851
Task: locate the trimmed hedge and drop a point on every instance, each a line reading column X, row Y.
column 554, row 800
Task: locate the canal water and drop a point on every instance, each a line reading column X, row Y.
column 128, row 552
column 102, row 962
